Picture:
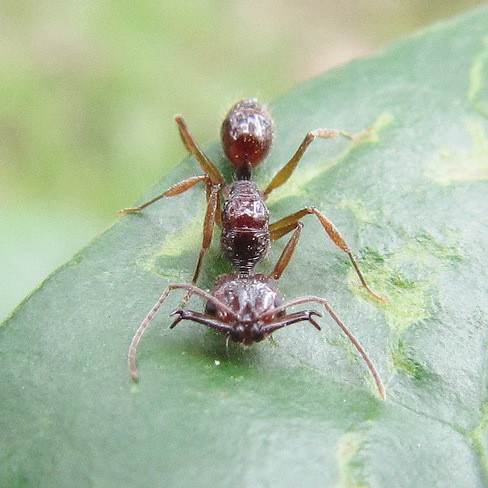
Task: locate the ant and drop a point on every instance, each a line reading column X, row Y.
column 245, row 306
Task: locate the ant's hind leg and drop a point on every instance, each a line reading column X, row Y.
column 176, row 189
column 284, row 174
column 285, row 225
column 212, row 174
column 193, row 148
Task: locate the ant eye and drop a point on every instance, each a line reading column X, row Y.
column 277, row 303
column 211, row 309
column 247, row 134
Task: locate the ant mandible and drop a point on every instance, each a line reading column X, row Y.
column 245, row 306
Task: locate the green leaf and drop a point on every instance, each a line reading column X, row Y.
column 412, row 203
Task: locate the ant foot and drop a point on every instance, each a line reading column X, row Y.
column 367, row 135
column 129, row 210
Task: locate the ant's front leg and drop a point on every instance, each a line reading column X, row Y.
column 309, row 299
column 284, row 174
column 131, row 357
column 284, row 226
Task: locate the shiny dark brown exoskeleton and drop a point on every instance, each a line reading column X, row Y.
column 246, row 306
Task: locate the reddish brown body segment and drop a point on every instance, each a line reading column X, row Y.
column 246, row 306
column 253, row 299
column 247, row 135
column 245, row 227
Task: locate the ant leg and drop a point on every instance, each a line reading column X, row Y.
column 356, row 343
column 208, row 226
column 218, row 214
column 192, row 147
column 282, row 176
column 287, row 253
column 131, row 357
column 176, row 189
column 227, row 340
column 285, row 225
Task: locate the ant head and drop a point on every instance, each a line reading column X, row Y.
column 247, row 332
column 252, row 299
column 244, row 330
column 247, row 135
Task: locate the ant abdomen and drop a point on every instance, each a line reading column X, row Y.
column 247, row 135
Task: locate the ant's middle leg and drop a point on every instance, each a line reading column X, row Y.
column 284, row 174
column 287, row 224
column 287, row 252
column 208, row 226
column 176, row 189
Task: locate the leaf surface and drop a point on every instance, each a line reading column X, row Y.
column 412, row 202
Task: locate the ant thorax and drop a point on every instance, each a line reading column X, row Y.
column 245, row 227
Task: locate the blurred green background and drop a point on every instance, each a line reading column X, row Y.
column 88, row 90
